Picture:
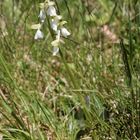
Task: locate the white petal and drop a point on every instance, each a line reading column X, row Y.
column 65, row 32
column 55, row 22
column 55, row 50
column 42, row 15
column 36, row 26
column 54, row 25
column 51, row 11
column 38, row 35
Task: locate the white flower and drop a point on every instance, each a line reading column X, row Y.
column 38, row 35
column 55, row 50
column 54, row 22
column 57, row 41
column 42, row 15
column 65, row 32
column 51, row 11
column 54, row 25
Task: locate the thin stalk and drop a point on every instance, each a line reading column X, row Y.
column 113, row 11
column 69, row 71
column 66, row 3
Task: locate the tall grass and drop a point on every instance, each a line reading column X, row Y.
column 90, row 90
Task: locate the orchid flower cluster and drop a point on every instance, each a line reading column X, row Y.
column 49, row 11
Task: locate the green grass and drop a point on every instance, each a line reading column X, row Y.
column 90, row 90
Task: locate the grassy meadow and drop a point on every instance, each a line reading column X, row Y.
column 89, row 90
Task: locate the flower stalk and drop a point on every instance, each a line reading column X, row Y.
column 55, row 24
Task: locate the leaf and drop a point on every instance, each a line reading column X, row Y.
column 36, row 26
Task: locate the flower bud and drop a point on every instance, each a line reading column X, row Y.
column 55, row 50
column 65, row 32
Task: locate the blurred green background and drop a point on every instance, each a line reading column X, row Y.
column 90, row 91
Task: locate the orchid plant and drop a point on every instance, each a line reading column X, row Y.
column 57, row 25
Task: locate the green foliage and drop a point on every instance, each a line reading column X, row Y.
column 90, row 90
